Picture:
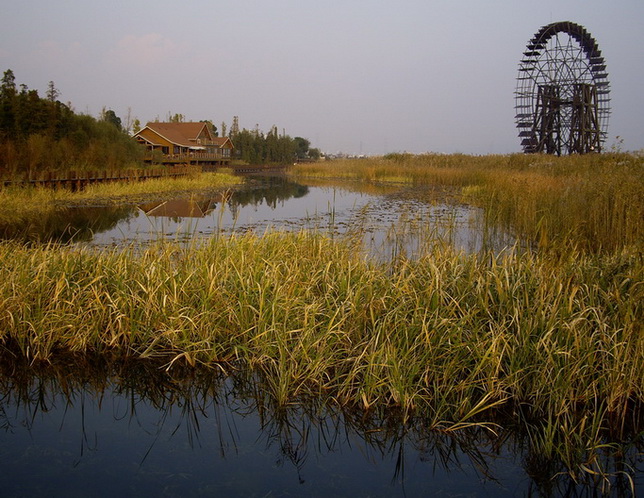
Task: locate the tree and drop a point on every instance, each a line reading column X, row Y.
column 127, row 127
column 8, row 87
column 44, row 134
column 176, row 118
column 234, row 129
column 7, row 103
column 33, row 114
column 301, row 147
column 110, row 116
column 211, row 127
column 52, row 92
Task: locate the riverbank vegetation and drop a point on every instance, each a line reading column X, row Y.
column 450, row 337
column 43, row 134
column 547, row 333
column 593, row 202
column 25, row 203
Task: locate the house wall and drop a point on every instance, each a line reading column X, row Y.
column 148, row 134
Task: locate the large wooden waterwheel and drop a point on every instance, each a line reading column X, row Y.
column 563, row 93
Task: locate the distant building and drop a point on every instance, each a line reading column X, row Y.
column 184, row 143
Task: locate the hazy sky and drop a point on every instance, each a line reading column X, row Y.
column 358, row 76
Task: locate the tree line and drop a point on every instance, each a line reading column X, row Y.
column 43, row 134
column 257, row 147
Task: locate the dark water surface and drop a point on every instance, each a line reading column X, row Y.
column 140, row 432
column 117, row 443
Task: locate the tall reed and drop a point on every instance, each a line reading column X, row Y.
column 449, row 337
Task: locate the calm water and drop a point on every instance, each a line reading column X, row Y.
column 118, row 443
column 390, row 221
column 143, row 433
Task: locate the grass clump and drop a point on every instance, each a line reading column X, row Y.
column 450, row 337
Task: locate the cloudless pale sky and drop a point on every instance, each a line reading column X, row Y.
column 357, row 76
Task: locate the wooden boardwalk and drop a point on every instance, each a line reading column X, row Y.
column 250, row 168
column 77, row 180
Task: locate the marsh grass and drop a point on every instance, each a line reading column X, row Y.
column 449, row 337
column 591, row 202
column 24, row 203
column 553, row 337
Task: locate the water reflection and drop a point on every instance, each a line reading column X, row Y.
column 179, row 208
column 67, row 224
column 92, row 427
column 271, row 191
column 389, row 221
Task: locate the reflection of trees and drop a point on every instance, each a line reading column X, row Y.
column 66, row 224
column 74, row 224
column 299, row 431
column 268, row 190
column 265, row 190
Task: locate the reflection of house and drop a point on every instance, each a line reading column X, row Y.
column 185, row 143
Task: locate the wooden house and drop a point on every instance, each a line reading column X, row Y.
column 184, row 143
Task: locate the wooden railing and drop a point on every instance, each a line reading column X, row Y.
column 190, row 158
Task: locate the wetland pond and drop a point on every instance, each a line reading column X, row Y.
column 94, row 428
column 390, row 220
